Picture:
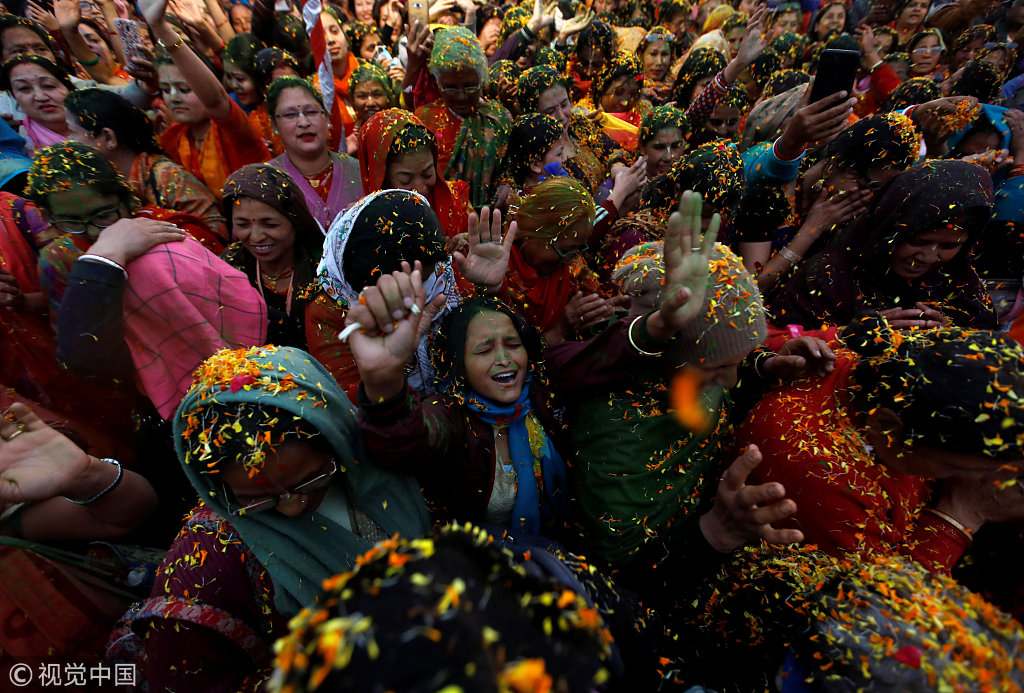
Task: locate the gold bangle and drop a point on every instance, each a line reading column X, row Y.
column 629, row 334
column 173, row 47
column 951, row 520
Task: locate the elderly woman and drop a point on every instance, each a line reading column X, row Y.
column 328, row 181
column 909, row 256
column 662, row 138
column 397, row 151
column 39, row 87
column 124, row 134
column 471, row 133
column 272, row 448
column 856, row 449
column 278, row 245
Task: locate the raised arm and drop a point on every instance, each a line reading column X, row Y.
column 204, row 83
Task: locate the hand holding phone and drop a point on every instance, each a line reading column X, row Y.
column 837, row 70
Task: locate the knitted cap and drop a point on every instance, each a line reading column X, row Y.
column 640, row 272
column 732, row 321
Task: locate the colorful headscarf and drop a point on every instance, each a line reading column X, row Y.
column 368, row 71
column 768, row 119
column 238, row 397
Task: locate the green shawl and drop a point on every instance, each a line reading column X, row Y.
column 299, row 553
column 638, row 473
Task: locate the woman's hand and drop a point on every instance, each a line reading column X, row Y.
column 127, row 239
column 976, row 499
column 153, row 11
column 11, row 295
column 628, row 184
column 388, row 316
column 420, row 42
column 742, row 514
column 832, row 210
column 816, row 122
column 487, row 261
column 47, row 19
column 686, row 268
column 992, row 160
column 575, row 25
column 37, row 462
column 801, row 357
column 751, row 45
column 142, row 69
column 584, row 311
column 1014, row 120
column 440, row 9
column 921, row 315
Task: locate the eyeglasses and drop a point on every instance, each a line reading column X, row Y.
column 1010, row 46
column 292, row 116
column 465, row 91
column 100, row 220
column 926, row 51
column 568, row 256
column 273, row 500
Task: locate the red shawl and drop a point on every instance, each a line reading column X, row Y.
column 542, row 299
column 448, row 200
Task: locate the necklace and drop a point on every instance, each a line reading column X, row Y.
column 271, row 280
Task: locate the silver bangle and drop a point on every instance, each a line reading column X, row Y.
column 790, row 255
column 108, row 489
column 629, row 334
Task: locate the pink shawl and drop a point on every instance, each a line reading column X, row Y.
column 181, row 305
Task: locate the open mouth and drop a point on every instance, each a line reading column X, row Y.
column 307, row 137
column 261, row 249
column 505, row 378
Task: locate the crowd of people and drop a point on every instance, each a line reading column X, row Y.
column 373, row 345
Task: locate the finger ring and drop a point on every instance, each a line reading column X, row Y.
column 15, row 434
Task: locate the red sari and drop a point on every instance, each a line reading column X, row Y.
column 543, row 298
column 450, row 201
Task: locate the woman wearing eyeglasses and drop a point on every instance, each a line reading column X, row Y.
column 137, row 299
column 272, row 447
column 472, row 132
column 329, row 182
column 548, row 279
column 927, row 50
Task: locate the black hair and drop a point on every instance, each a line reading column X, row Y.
column 874, row 142
column 395, row 226
column 448, row 343
column 241, row 52
column 979, row 79
column 27, row 58
column 938, row 380
column 96, row 109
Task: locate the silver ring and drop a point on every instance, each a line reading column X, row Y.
column 15, row 435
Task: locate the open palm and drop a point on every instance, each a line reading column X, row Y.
column 38, row 463
column 687, row 253
column 487, row 260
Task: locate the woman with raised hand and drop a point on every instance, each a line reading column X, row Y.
column 211, row 135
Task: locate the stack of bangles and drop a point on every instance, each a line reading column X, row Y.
column 790, row 255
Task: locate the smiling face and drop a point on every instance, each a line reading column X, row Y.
column 663, row 150
column 460, row 90
column 240, row 83
column 555, row 103
column 337, row 44
column 496, row 361
column 369, row 98
column 364, row 10
column 621, row 95
column 40, row 95
column 185, row 106
column 832, row 18
column 657, row 58
column 291, row 464
column 928, row 251
column 95, row 42
column 267, row 234
column 305, row 134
